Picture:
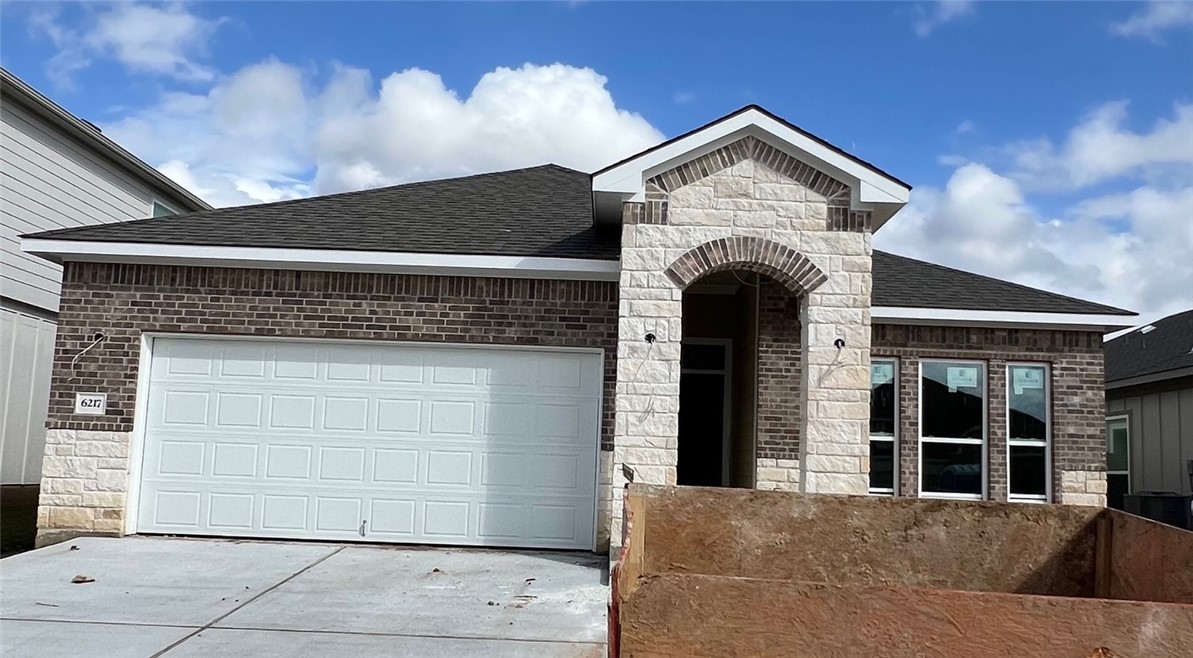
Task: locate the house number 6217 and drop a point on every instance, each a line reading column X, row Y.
column 91, row 404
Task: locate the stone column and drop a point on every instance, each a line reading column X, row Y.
column 834, row 445
column 646, row 428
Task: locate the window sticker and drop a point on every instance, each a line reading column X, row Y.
column 881, row 373
column 1027, row 378
column 961, row 377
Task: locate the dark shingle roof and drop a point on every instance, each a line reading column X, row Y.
column 540, row 211
column 902, row 281
column 1167, row 347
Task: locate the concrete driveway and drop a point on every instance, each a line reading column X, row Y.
column 192, row 597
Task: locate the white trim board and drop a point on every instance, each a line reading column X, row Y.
column 334, row 260
column 870, row 189
column 627, row 177
column 977, row 318
column 531, row 267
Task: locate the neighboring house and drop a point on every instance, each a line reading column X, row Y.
column 57, row 171
column 1149, row 408
column 486, row 360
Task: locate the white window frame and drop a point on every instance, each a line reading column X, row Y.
column 158, row 202
column 1046, row 444
column 984, row 441
column 1126, row 418
column 894, row 438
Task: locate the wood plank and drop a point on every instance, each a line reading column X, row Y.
column 693, row 615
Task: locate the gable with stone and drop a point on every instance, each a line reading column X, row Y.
column 486, row 360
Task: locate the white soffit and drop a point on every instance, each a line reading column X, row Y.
column 333, row 260
column 976, row 318
column 870, row 185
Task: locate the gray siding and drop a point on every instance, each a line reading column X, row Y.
column 1161, row 434
column 49, row 181
column 26, row 358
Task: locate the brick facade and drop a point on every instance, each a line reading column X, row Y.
column 1077, row 404
column 122, row 301
column 780, row 373
column 86, row 463
column 749, row 254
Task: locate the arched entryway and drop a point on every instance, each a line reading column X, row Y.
column 740, row 402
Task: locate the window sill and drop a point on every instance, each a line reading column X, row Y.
column 951, row 496
column 882, row 492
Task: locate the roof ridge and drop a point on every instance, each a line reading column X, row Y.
column 1114, row 310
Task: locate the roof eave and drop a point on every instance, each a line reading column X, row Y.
column 330, row 260
column 871, row 187
column 1150, row 378
column 952, row 317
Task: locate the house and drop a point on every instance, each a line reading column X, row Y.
column 58, row 172
column 487, row 360
column 1149, row 408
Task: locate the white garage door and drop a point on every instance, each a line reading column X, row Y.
column 373, row 442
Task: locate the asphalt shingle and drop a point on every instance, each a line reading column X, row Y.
column 1169, row 346
column 540, row 211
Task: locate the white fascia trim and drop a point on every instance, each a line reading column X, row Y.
column 966, row 317
column 627, row 178
column 531, row 267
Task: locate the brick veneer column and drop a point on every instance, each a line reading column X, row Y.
column 779, row 408
column 909, row 425
column 996, row 416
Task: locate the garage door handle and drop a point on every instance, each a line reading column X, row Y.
column 362, row 527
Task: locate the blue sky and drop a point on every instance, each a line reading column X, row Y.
column 1049, row 143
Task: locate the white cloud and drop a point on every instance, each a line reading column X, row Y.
column 940, row 12
column 1158, row 17
column 1101, row 148
column 1130, row 250
column 269, row 132
column 966, row 126
column 164, row 40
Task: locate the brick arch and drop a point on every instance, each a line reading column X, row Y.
column 780, row 262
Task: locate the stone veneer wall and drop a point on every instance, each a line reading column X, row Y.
column 746, row 206
column 85, row 473
column 1078, row 403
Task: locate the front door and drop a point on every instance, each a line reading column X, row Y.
column 703, row 413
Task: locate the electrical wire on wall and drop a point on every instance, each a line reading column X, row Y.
column 836, row 362
column 650, row 341
column 97, row 338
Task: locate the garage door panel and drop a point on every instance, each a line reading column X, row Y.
column 243, row 361
column 236, row 460
column 424, row 444
column 345, row 414
column 281, row 513
column 230, row 511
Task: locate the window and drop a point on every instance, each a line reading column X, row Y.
column 1029, row 432
column 884, row 422
column 1118, row 460
column 953, row 429
column 162, row 210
